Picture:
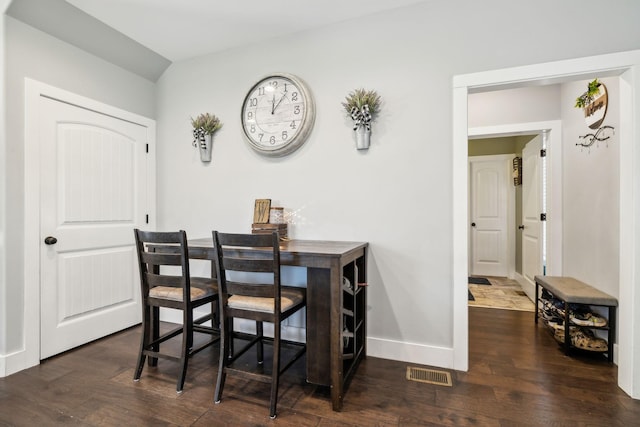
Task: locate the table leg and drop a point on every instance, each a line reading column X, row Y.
column 318, row 326
column 324, row 311
column 337, row 374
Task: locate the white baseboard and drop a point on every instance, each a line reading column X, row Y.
column 15, row 362
column 175, row 316
column 410, row 352
column 290, row 333
column 376, row 347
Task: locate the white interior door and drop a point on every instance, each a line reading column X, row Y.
column 532, row 235
column 488, row 205
column 93, row 192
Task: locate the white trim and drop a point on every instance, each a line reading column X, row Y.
column 33, row 91
column 629, row 299
column 460, row 219
column 3, row 193
column 13, row 362
column 628, row 353
column 410, row 352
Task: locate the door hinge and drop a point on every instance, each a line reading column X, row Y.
column 543, row 153
column 147, row 218
column 543, row 217
column 147, row 148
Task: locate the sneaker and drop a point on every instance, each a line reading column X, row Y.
column 546, row 295
column 587, row 319
column 558, row 306
column 549, row 315
column 584, row 339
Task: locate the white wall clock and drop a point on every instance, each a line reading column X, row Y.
column 278, row 114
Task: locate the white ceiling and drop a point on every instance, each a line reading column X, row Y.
column 181, row 29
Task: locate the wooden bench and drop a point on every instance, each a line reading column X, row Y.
column 573, row 291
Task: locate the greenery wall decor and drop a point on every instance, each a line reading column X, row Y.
column 204, row 126
column 362, row 105
column 593, row 89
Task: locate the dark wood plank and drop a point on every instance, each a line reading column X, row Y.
column 518, row 376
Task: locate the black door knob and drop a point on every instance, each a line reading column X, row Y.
column 473, row 224
column 50, row 240
column 521, row 227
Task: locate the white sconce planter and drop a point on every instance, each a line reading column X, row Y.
column 363, row 137
column 204, row 126
column 362, row 106
column 206, row 145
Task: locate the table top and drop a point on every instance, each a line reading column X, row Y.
column 307, row 247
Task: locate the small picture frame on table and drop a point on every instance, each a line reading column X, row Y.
column 261, row 211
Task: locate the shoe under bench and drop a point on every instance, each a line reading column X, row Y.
column 573, row 291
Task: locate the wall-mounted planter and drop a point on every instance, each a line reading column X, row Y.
column 363, row 137
column 594, row 104
column 204, row 126
column 596, row 110
column 362, row 106
column 206, row 145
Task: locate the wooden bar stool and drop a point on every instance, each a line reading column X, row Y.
column 159, row 255
column 265, row 301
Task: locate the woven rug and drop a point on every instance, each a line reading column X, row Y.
column 504, row 294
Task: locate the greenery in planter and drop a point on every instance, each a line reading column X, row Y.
column 362, row 105
column 361, row 97
column 593, row 89
column 204, row 124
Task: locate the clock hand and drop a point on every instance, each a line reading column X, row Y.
column 275, row 106
column 273, row 103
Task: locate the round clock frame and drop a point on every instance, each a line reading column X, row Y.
column 278, row 114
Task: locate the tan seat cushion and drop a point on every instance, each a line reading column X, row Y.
column 288, row 298
column 574, row 291
column 175, row 294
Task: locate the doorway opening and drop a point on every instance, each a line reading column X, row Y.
column 626, row 66
column 521, row 197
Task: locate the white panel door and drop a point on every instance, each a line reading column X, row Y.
column 488, row 188
column 93, row 192
column 531, row 209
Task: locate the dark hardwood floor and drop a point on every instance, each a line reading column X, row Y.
column 517, row 376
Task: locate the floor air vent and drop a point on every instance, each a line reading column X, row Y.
column 430, row 376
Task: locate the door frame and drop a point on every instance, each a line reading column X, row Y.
column 553, row 240
column 33, row 91
column 625, row 65
column 510, row 215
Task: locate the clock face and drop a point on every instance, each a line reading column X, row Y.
column 278, row 114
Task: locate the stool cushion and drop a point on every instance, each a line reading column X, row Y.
column 288, row 298
column 175, row 294
column 574, row 291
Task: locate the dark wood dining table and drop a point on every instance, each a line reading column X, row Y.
column 336, row 314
